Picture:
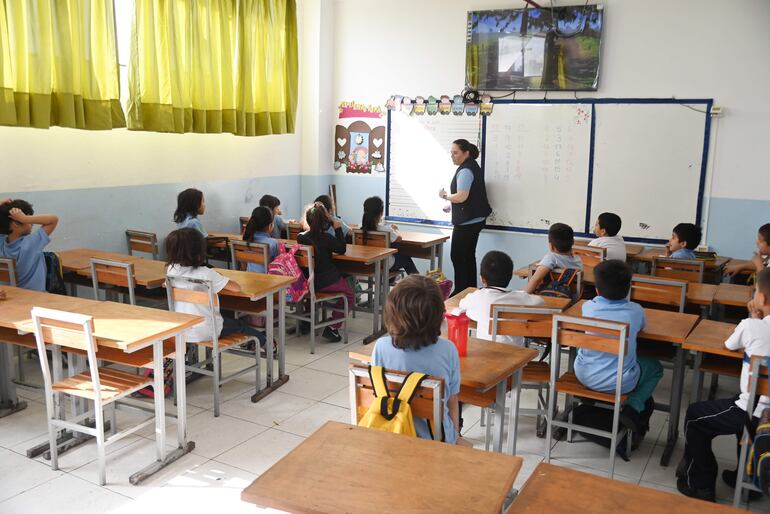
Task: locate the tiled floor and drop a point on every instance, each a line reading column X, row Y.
column 248, row 438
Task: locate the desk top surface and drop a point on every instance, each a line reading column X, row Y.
column 710, row 336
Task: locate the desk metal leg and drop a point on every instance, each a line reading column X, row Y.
column 272, row 385
column 432, row 257
column 697, row 378
column 269, row 332
column 9, row 402
column 497, row 445
column 377, row 296
column 282, row 336
column 441, row 257
column 385, row 288
column 676, row 404
column 513, row 418
column 160, row 400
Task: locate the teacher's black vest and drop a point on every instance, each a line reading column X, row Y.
column 477, row 205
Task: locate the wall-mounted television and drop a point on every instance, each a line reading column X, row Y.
column 537, row 49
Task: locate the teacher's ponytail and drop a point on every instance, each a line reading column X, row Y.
column 466, row 146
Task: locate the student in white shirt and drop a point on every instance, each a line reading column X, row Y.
column 496, row 273
column 606, row 229
column 697, row 472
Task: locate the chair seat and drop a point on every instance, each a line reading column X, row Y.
column 226, row 341
column 322, row 296
column 722, row 366
column 139, row 359
column 11, row 336
column 536, row 372
column 568, row 383
column 113, row 383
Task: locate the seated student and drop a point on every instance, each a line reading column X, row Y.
column 697, row 472
column 327, row 278
column 413, row 314
column 189, row 205
column 606, row 229
column 561, row 237
column 330, row 208
column 496, row 273
column 372, row 220
column 598, row 370
column 18, row 242
column 258, row 230
column 685, row 238
column 280, row 227
column 761, row 258
column 186, row 257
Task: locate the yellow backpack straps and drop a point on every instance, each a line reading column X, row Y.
column 380, row 384
column 409, row 386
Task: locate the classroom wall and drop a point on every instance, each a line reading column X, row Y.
column 651, row 48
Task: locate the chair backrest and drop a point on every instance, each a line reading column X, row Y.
column 139, row 241
column 7, row 271
column 194, row 291
column 758, row 378
column 522, row 321
column 376, row 238
column 590, row 255
column 113, row 273
column 671, row 293
column 427, row 402
column 294, row 230
column 243, row 220
column 244, row 252
column 679, row 269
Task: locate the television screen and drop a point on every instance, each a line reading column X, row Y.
column 545, row 49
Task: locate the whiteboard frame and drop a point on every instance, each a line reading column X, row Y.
column 586, row 229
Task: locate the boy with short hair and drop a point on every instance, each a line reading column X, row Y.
column 685, row 238
column 19, row 243
column 697, row 472
column 598, row 370
column 561, row 237
column 496, row 273
column 606, row 229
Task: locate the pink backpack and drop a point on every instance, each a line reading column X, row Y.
column 285, row 264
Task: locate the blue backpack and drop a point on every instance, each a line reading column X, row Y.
column 758, row 464
column 559, row 284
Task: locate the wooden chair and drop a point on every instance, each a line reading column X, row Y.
column 660, row 292
column 590, row 255
column 758, row 384
column 7, row 271
column 243, row 221
column 294, row 230
column 119, row 275
column 319, row 301
column 199, row 292
column 678, row 269
column 588, row 334
column 529, row 323
column 377, row 239
column 139, row 241
column 102, row 386
column 427, row 403
column 243, row 253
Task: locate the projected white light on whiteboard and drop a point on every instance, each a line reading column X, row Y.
column 420, row 164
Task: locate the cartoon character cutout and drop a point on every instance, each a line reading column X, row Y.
column 444, row 106
column 432, row 106
column 406, row 105
column 419, row 106
column 457, row 105
column 486, row 105
column 471, row 109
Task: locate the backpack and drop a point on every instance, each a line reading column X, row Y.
column 559, row 284
column 285, row 264
column 599, row 418
column 391, row 413
column 758, row 463
column 443, row 283
column 168, row 380
column 54, row 275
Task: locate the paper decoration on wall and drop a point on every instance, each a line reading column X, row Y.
column 432, row 106
column 406, row 105
column 359, row 148
column 419, row 106
column 356, row 110
column 486, row 105
column 471, row 109
column 444, row 106
column 457, row 105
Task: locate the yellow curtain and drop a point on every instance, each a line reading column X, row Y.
column 213, row 66
column 59, row 64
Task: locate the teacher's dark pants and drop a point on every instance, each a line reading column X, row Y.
column 463, row 252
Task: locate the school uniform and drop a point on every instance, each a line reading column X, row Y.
column 27, row 251
column 616, row 247
column 272, row 247
column 708, row 419
column 279, row 227
column 192, row 222
column 439, row 360
column 553, row 260
column 477, row 307
column 345, row 227
column 598, row 370
column 683, row 253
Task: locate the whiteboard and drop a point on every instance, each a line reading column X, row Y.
column 536, row 163
column 419, row 164
column 648, row 163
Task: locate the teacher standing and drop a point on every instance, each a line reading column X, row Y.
column 470, row 208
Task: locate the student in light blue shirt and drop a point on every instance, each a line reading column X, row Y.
column 414, row 312
column 258, row 230
column 18, row 242
column 280, row 226
column 685, row 238
column 190, row 204
column 598, row 370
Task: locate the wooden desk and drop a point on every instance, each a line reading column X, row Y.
column 560, row 490
column 633, row 250
column 487, row 366
column 342, row 468
column 712, row 267
column 423, row 245
column 708, row 343
column 80, row 258
column 128, row 328
column 734, row 295
column 665, row 327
